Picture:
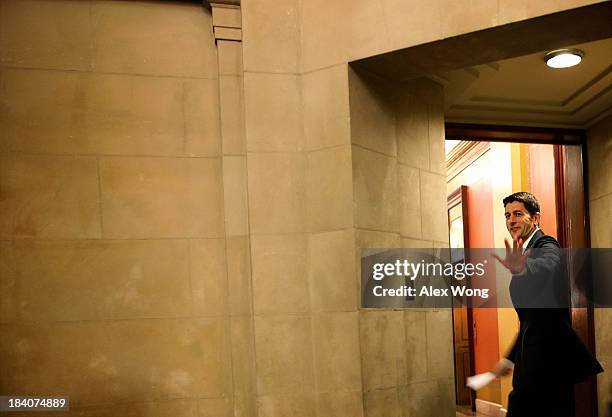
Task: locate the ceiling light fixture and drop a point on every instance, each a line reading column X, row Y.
column 563, row 58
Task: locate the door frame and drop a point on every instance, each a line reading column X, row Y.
column 572, row 209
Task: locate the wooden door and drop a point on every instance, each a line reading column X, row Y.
column 463, row 362
column 462, row 316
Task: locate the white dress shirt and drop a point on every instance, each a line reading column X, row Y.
column 526, row 242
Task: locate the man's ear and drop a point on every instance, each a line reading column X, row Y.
column 536, row 218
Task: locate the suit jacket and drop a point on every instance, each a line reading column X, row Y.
column 546, row 350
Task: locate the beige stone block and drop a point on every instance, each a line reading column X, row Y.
column 601, row 223
column 340, row 404
column 570, row 4
column 382, row 403
column 276, row 192
column 271, row 36
column 164, row 408
column 230, row 57
column 11, row 355
column 215, row 407
column 227, row 16
column 372, row 114
column 172, row 359
column 446, row 392
column 440, row 363
column 515, row 10
column 413, row 132
column 243, row 357
column 434, row 223
column 415, row 243
column 56, row 105
column 326, row 108
column 331, row 271
column 599, row 151
column 421, row 399
column 284, row 355
column 109, row 114
column 280, row 281
column 96, row 280
column 364, row 23
column 239, row 275
column 299, row 403
column 329, row 189
column 409, row 201
column 4, row 110
column 49, row 196
column 356, row 28
column 376, row 199
column 437, row 153
column 181, row 358
column 369, row 239
column 8, row 284
column 245, row 405
column 62, row 39
column 373, row 239
column 511, row 11
column 423, row 90
column 458, row 17
column 228, row 34
column 161, row 197
column 273, row 112
column 336, row 351
column 152, row 38
column 200, row 108
column 323, row 24
column 383, row 349
column 208, row 272
column 440, row 244
column 412, row 23
column 604, row 382
column 603, row 337
column 150, row 116
column 235, row 195
column 415, row 323
column 232, row 115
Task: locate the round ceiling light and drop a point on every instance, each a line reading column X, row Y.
column 563, row 58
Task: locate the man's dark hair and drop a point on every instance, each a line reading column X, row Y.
column 528, row 199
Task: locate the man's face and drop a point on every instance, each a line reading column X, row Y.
column 519, row 222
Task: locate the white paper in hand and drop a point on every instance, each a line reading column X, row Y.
column 479, row 381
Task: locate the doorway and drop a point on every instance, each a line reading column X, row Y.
column 485, row 164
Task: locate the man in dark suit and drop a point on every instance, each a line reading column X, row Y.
column 547, row 355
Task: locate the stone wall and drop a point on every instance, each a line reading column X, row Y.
column 599, row 147
column 399, row 183
column 363, row 28
column 197, row 210
column 300, row 207
column 113, row 253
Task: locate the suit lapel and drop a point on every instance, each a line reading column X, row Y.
column 537, row 235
